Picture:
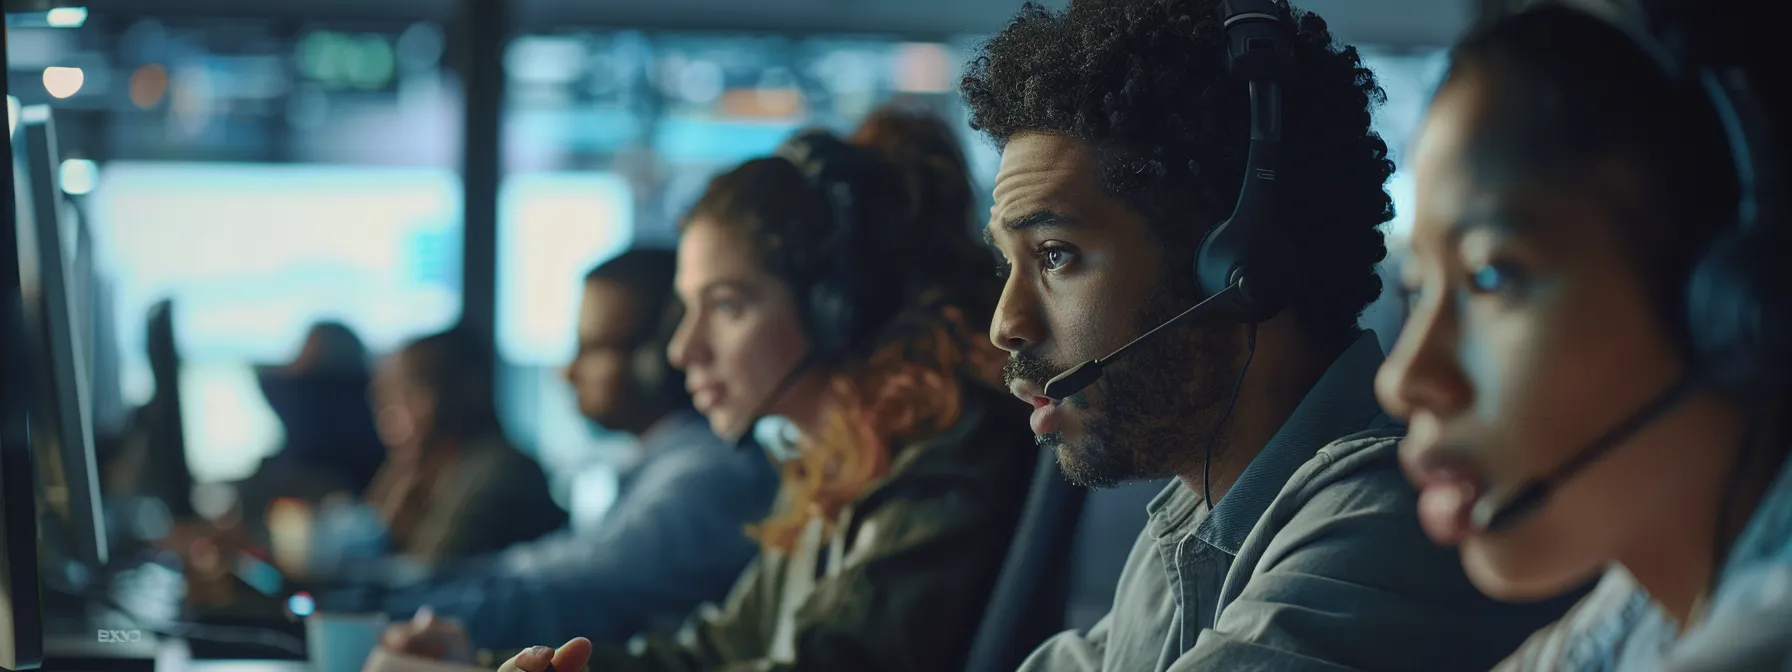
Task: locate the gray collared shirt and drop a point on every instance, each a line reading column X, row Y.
column 1312, row 561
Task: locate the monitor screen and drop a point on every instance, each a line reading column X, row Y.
column 253, row 255
column 552, row 229
column 68, row 477
column 21, row 622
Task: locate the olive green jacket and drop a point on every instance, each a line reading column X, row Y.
column 902, row 588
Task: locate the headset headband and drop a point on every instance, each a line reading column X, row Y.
column 1735, row 310
column 1748, row 132
column 834, row 304
column 1238, row 253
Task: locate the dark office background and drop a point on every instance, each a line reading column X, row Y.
column 401, row 165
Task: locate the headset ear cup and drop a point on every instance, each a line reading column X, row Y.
column 648, row 367
column 830, row 317
column 1737, row 337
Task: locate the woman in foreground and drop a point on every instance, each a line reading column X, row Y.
column 1584, row 395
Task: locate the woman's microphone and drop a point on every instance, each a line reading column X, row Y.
column 1499, row 514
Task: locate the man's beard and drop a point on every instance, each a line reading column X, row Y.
column 1159, row 402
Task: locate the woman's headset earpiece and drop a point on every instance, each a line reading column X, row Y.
column 1737, row 320
column 844, row 304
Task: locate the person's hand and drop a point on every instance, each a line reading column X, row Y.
column 570, row 658
column 426, row 636
column 205, row 548
column 207, row 555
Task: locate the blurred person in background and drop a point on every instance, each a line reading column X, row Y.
column 1595, row 366
column 331, row 445
column 906, row 472
column 671, row 541
column 453, row 485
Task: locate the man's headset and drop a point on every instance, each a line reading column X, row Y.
column 845, row 303
column 651, row 374
column 1238, row 267
column 1738, row 327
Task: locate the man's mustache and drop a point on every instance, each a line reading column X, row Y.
column 1038, row 371
column 1035, row 370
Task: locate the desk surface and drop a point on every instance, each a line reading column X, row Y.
column 241, row 666
column 173, row 656
column 170, row 655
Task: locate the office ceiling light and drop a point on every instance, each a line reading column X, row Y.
column 63, row 82
column 66, row 17
column 35, row 15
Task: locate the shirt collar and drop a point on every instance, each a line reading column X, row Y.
column 1769, row 531
column 1341, row 403
column 674, row 431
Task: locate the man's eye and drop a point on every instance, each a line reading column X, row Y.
column 1054, row 257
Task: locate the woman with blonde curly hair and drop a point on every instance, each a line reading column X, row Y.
column 836, row 286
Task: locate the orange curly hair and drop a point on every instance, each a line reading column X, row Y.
column 910, row 389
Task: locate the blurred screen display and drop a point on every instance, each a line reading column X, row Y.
column 552, row 228
column 253, row 254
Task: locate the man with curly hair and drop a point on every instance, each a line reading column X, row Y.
column 1124, row 141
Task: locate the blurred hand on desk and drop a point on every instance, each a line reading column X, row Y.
column 444, row 639
column 207, row 555
column 426, row 636
column 571, row 657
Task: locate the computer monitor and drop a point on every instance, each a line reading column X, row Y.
column 98, row 344
column 110, row 412
column 71, row 523
column 21, row 611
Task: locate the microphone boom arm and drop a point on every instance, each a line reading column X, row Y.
column 1502, row 514
column 1083, row 375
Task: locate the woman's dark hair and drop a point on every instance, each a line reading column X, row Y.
column 930, row 155
column 1578, row 101
column 909, row 384
column 926, row 149
column 457, row 365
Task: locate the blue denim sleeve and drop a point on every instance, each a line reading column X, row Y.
column 675, row 541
